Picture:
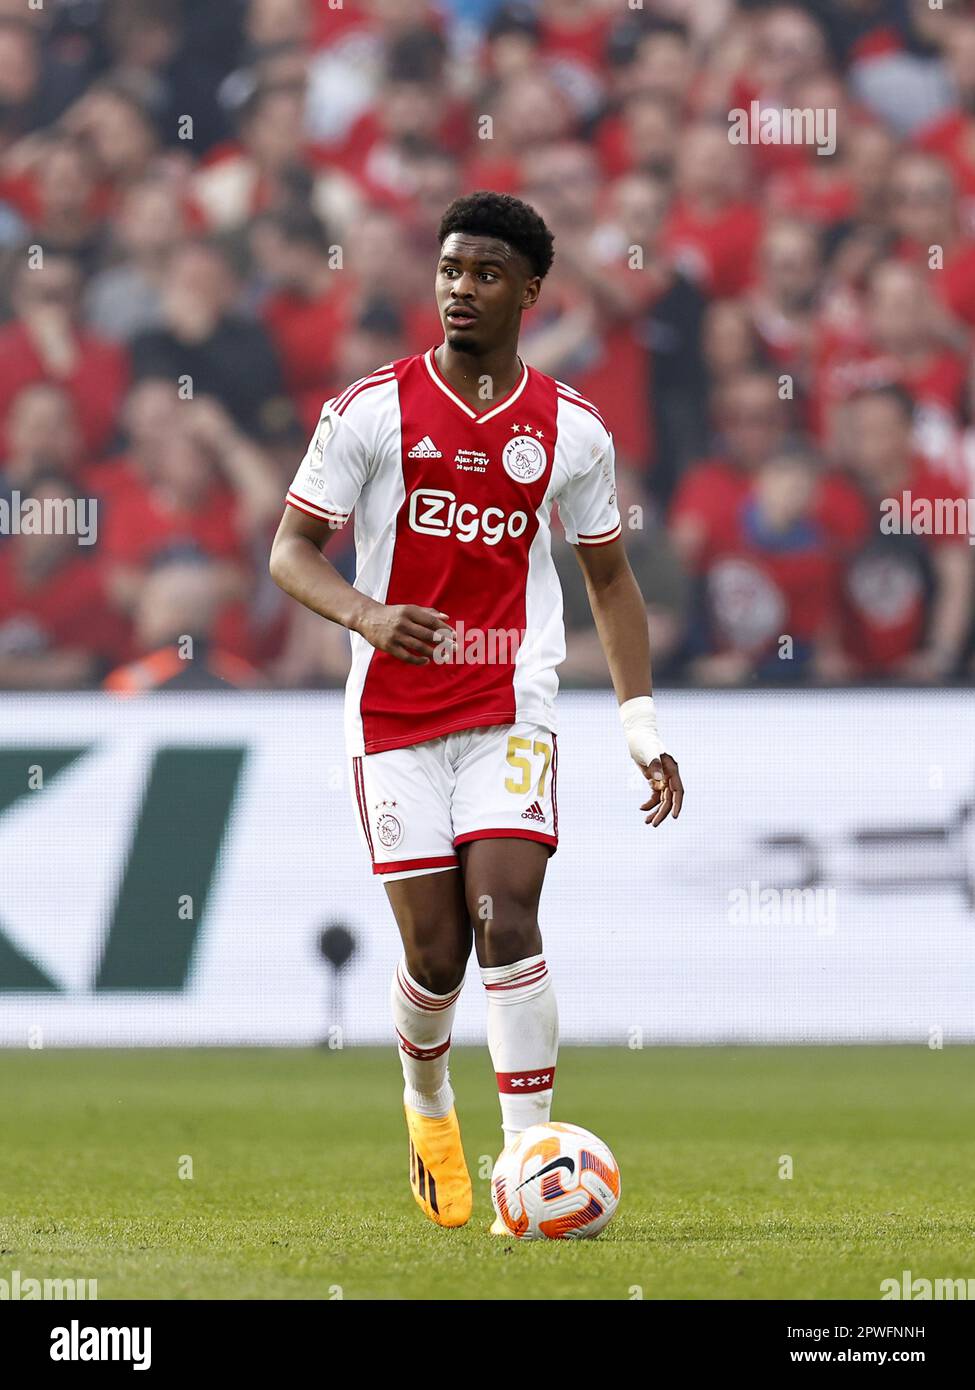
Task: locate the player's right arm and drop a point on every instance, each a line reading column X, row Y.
column 297, row 566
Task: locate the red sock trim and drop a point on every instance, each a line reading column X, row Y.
column 421, row 1001
column 521, row 1082
column 531, row 976
column 421, row 1054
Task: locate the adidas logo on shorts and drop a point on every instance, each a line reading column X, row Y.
column 534, row 812
column 426, row 449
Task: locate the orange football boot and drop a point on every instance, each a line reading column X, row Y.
column 439, row 1178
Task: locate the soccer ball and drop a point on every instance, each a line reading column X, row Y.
column 555, row 1182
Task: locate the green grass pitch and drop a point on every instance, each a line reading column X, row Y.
column 300, row 1190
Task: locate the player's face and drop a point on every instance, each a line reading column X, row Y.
column 482, row 287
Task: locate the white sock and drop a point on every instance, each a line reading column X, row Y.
column 523, row 1038
column 423, row 1022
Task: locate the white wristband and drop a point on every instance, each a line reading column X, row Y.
column 640, row 727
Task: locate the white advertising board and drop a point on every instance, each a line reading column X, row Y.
column 167, row 865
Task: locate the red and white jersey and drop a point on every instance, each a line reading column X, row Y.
column 452, row 511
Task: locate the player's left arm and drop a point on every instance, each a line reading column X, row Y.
column 620, row 615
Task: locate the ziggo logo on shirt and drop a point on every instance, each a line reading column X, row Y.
column 435, row 513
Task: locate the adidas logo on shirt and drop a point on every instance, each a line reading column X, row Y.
column 534, row 812
column 426, row 449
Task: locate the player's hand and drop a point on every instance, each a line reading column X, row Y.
column 406, row 631
column 668, row 789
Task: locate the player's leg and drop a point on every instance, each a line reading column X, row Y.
column 506, row 827
column 431, row 915
column 403, row 801
column 432, row 918
column 503, row 881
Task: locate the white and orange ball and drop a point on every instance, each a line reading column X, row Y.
column 555, row 1182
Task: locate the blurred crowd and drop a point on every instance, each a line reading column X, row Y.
column 213, row 216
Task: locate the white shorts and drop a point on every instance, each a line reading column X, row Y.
column 416, row 805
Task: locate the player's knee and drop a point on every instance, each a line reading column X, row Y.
column 510, row 933
column 439, row 972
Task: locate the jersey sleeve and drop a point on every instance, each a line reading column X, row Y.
column 587, row 501
column 333, row 471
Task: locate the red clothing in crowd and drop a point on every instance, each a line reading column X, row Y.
column 757, row 593
column 306, row 334
column 69, row 609
column 845, row 366
column 96, row 386
column 811, row 193
column 713, row 493
column 332, row 23
column 228, row 177
column 885, row 591
column 615, row 369
column 584, row 43
column 954, row 281
column 362, row 151
column 719, row 251
column 771, row 158
column 498, row 172
column 952, row 138
column 422, row 326
column 21, row 192
column 613, row 145
column 619, row 379
column 139, row 528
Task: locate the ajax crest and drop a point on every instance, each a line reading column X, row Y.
column 523, row 459
column 389, row 830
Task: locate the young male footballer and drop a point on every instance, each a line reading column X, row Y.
column 451, row 462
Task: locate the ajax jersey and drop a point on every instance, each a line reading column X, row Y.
column 452, row 511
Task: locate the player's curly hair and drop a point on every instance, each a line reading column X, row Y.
column 485, row 213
